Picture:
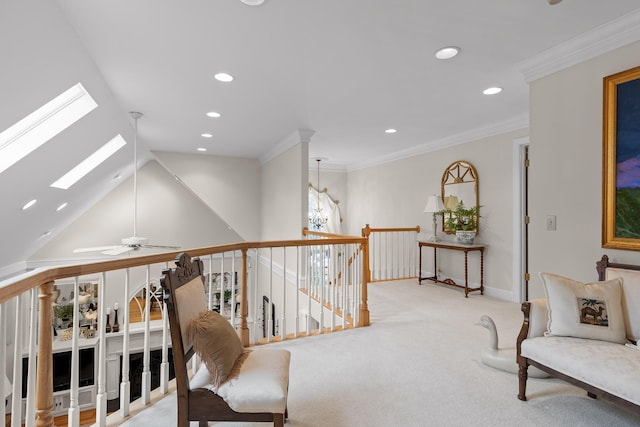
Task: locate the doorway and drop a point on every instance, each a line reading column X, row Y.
column 521, row 217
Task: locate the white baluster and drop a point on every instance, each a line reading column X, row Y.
column 164, row 366
column 297, row 300
column 30, row 412
column 270, row 310
column 232, row 300
column 74, row 411
column 101, row 397
column 146, row 355
column 283, row 322
column 210, row 284
column 321, row 285
column 3, row 362
column 125, row 385
column 16, row 401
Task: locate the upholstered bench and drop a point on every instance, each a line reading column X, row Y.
column 586, row 334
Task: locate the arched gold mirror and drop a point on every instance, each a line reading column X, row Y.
column 460, row 198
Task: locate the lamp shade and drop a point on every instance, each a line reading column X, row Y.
column 434, row 204
column 451, row 202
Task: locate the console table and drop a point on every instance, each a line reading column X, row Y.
column 455, row 247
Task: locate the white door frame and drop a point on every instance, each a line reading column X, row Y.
column 518, row 215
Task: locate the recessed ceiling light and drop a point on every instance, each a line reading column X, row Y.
column 252, row 2
column 202, row 149
column 28, row 205
column 116, row 177
column 45, row 234
column 62, row 206
column 447, row 52
column 213, row 114
column 492, row 90
column 206, row 135
column 391, row 130
column 224, row 77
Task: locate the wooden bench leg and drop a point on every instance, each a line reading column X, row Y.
column 278, row 420
column 522, row 381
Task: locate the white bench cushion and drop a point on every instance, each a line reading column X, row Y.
column 608, row 366
column 261, row 385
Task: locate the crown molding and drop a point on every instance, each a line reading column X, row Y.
column 607, row 37
column 12, row 270
column 509, row 125
column 295, row 138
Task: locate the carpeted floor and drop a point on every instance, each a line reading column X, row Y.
column 418, row 364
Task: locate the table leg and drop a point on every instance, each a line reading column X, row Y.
column 435, row 264
column 466, row 275
column 419, row 264
column 481, row 272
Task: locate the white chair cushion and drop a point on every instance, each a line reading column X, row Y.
column 611, row 367
column 261, row 385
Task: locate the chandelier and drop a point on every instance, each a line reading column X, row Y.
column 318, row 219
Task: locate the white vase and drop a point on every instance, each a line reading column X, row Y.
column 465, row 236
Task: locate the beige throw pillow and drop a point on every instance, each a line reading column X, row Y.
column 217, row 344
column 584, row 310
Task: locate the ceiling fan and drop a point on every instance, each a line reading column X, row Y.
column 134, row 242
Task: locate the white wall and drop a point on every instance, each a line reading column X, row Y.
column 230, row 186
column 167, row 215
column 284, row 189
column 395, row 194
column 566, row 169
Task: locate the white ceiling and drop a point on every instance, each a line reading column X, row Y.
column 347, row 69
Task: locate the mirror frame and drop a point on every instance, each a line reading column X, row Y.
column 460, row 172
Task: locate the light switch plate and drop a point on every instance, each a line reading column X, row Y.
column 551, row 222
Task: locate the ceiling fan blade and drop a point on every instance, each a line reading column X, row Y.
column 119, row 250
column 95, row 249
column 159, row 247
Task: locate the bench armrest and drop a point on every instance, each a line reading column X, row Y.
column 536, row 316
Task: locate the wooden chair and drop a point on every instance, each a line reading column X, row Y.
column 258, row 393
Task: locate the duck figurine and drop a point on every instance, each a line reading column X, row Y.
column 502, row 358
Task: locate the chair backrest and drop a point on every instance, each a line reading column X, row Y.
column 185, row 298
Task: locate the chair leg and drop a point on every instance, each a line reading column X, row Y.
column 278, row 420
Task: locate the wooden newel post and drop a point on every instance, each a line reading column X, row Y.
column 244, row 302
column 364, row 307
column 366, row 232
column 44, row 367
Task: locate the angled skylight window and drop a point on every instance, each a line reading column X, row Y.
column 90, row 163
column 43, row 124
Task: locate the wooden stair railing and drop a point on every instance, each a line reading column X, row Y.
column 43, row 280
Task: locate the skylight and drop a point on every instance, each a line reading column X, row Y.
column 31, row 132
column 90, row 163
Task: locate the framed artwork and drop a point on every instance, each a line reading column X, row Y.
column 621, row 161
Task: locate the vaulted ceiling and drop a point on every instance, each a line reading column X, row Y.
column 347, row 69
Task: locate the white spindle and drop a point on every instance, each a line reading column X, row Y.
column 270, row 304
column 30, row 412
column 164, row 366
column 255, row 295
column 101, row 397
column 16, row 401
column 321, row 285
column 283, row 323
column 309, row 269
column 74, row 411
column 146, row 355
column 125, row 385
column 297, row 300
column 210, row 284
column 345, row 284
column 232, row 300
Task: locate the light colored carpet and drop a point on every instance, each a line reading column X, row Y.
column 418, row 364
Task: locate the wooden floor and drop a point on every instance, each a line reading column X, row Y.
column 87, row 418
column 134, row 310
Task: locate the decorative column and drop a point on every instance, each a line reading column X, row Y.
column 364, row 307
column 44, row 367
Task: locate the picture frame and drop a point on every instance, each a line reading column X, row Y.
column 621, row 161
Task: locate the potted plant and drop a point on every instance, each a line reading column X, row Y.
column 65, row 314
column 464, row 221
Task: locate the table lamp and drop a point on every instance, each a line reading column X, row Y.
column 434, row 205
